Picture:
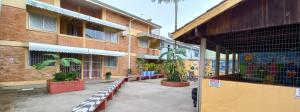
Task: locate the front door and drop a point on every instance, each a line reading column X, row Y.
column 92, row 67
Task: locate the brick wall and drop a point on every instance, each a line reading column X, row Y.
column 13, row 66
column 13, row 28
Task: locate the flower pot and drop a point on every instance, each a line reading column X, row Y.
column 108, row 77
column 175, row 84
column 64, row 86
column 144, row 73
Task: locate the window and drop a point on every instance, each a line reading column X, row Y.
column 110, row 61
column 38, row 57
column 95, row 33
column 42, row 22
column 143, row 43
column 111, row 36
column 74, row 30
column 196, row 53
column 73, row 66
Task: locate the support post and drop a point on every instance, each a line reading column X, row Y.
column 91, row 67
column 227, row 63
column 238, row 63
column 217, row 64
column 201, row 71
column 233, row 63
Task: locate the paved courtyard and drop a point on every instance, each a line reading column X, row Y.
column 150, row 96
column 15, row 100
column 137, row 96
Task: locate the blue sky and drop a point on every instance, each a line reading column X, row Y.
column 163, row 14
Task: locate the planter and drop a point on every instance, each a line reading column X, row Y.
column 175, row 84
column 64, row 86
column 108, row 77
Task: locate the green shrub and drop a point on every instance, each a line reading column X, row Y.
column 61, row 76
column 72, row 75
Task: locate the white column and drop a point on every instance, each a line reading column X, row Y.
column 233, row 63
column 227, row 63
column 201, row 71
column 217, row 64
column 91, row 67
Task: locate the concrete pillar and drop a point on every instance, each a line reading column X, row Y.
column 201, row 71
column 91, row 67
column 227, row 63
column 217, row 64
column 233, row 63
column 238, row 63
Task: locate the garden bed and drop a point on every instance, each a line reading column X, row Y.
column 175, row 84
column 64, row 86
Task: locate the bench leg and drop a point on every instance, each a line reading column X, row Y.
column 110, row 96
column 102, row 106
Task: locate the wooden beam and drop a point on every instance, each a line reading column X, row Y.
column 206, row 17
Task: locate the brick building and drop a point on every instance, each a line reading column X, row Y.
column 94, row 32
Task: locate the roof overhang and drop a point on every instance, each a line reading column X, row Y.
column 149, row 35
column 225, row 5
column 149, row 57
column 66, row 12
column 73, row 50
column 104, row 5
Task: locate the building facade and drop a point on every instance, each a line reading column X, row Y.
column 105, row 38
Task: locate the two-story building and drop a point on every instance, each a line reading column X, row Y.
column 105, row 38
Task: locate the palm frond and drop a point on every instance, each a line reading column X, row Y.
column 43, row 64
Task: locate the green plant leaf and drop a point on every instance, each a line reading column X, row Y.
column 43, row 64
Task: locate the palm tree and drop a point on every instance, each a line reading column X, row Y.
column 55, row 59
column 176, row 7
column 174, row 64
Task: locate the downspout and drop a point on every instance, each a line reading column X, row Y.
column 129, row 46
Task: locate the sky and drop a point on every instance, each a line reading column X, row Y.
column 164, row 14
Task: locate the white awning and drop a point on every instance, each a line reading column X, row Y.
column 75, row 50
column 106, row 52
column 66, row 12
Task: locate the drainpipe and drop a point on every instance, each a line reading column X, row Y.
column 129, row 45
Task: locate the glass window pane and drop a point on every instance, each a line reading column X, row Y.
column 99, row 35
column 35, row 21
column 49, row 24
column 114, row 37
column 90, row 33
column 107, row 35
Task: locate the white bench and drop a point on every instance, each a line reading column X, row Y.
column 99, row 100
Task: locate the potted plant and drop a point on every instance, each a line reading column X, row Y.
column 62, row 82
column 108, row 75
column 174, row 69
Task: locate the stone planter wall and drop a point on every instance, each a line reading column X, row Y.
column 65, row 86
column 175, row 84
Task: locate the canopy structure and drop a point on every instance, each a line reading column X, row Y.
column 75, row 50
column 74, row 14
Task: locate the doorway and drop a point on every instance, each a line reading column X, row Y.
column 92, row 65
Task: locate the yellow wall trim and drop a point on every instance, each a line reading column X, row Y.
column 21, row 83
column 13, row 43
column 15, row 3
column 205, row 17
column 248, row 97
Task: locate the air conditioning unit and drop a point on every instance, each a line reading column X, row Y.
column 124, row 33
